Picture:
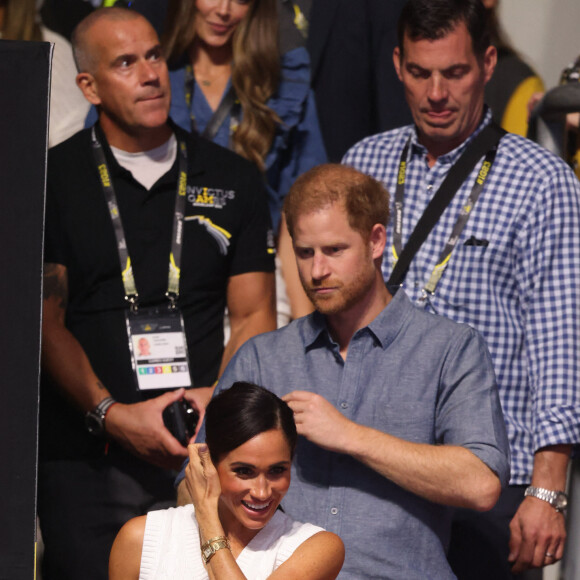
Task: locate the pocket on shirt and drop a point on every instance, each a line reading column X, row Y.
column 465, row 277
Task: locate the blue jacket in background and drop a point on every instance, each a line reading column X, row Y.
column 297, row 144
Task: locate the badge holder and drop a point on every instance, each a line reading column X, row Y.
column 158, row 348
column 156, row 335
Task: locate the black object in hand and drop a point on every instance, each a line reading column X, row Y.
column 181, row 419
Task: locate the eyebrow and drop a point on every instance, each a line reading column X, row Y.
column 157, row 49
column 457, row 66
column 242, row 464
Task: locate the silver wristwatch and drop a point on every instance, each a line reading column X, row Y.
column 95, row 419
column 557, row 499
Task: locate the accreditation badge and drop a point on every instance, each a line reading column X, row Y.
column 158, row 348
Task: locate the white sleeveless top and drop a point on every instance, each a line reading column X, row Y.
column 171, row 546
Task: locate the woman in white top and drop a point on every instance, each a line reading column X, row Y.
column 234, row 529
column 68, row 108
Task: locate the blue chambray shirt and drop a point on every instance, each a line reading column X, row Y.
column 409, row 373
column 514, row 274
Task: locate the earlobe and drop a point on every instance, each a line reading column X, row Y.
column 87, row 84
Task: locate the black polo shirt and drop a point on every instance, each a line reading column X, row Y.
column 226, row 232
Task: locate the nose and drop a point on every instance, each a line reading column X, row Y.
column 437, row 88
column 223, row 8
column 261, row 490
column 319, row 267
column 148, row 72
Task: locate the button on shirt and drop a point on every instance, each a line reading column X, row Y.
column 416, row 376
column 514, row 274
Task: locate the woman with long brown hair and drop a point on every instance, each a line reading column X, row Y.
column 230, row 83
column 224, row 54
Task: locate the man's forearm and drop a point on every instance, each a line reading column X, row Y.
column 551, row 467
column 64, row 359
column 445, row 474
column 252, row 310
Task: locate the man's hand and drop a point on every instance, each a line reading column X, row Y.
column 140, row 429
column 537, row 531
column 318, row 420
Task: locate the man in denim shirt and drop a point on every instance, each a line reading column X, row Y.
column 397, row 409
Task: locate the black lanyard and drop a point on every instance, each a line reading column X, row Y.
column 229, row 104
column 131, row 294
column 465, row 213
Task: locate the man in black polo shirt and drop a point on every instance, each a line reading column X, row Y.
column 149, row 232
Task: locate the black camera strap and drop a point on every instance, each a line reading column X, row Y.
column 484, row 144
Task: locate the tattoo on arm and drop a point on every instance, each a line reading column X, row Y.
column 55, row 284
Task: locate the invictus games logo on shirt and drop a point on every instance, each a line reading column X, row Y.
column 219, row 234
column 209, row 196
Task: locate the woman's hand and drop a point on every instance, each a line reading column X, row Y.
column 203, row 484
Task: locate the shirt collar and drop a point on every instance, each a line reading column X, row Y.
column 456, row 153
column 384, row 327
column 194, row 163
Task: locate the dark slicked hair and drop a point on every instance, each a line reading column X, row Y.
column 84, row 60
column 241, row 412
column 364, row 199
column 434, row 19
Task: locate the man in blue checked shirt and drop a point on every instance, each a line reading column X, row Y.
column 512, row 271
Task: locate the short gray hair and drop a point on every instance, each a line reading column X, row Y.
column 84, row 59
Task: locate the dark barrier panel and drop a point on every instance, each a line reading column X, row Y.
column 24, row 87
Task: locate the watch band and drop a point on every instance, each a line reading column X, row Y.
column 557, row 499
column 210, row 547
column 95, row 419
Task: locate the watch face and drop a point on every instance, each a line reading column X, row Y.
column 207, row 552
column 561, row 502
column 93, row 424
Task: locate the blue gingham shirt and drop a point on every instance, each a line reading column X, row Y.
column 416, row 376
column 517, row 281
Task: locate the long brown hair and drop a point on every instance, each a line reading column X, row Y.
column 255, row 68
column 20, row 22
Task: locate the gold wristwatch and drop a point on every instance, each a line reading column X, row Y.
column 212, row 546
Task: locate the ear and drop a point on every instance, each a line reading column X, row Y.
column 397, row 61
column 378, row 240
column 88, row 85
column 489, row 62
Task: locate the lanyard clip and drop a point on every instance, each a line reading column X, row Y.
column 172, row 296
column 132, row 300
column 424, row 295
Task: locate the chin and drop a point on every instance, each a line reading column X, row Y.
column 327, row 307
column 154, row 122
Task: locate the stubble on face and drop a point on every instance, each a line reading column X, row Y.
column 341, row 296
